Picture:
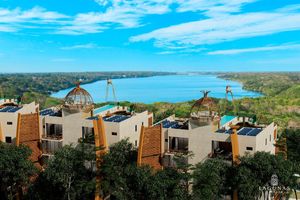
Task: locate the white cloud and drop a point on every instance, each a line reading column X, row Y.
column 7, row 28
column 220, row 29
column 115, row 14
column 119, row 14
column 80, row 46
column 290, row 8
column 185, row 51
column 79, row 29
column 166, row 52
column 36, row 14
column 102, row 2
column 212, row 8
column 256, row 49
column 224, row 21
column 17, row 19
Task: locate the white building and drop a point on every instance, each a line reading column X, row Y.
column 73, row 122
column 9, row 111
column 208, row 140
column 204, row 133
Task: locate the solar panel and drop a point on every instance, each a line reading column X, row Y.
column 116, row 118
column 244, row 131
column 14, row 109
column 249, row 131
column 45, row 112
column 170, row 124
column 92, row 118
column 254, row 132
column 5, row 109
column 111, row 119
column 174, row 125
column 49, row 112
column 121, row 118
column 167, row 124
column 52, row 113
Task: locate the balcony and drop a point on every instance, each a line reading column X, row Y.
column 57, row 137
column 50, row 147
column 178, row 145
column 171, row 160
column 53, row 132
column 222, row 150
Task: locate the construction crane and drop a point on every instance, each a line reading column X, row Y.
column 110, row 84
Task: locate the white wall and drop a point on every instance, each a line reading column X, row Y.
column 11, row 130
column 246, row 141
column 127, row 127
column 72, row 128
column 267, row 133
column 200, row 141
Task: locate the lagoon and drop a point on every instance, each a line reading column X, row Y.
column 173, row 88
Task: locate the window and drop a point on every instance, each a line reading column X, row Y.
column 142, row 123
column 135, row 128
column 270, row 138
column 8, row 139
column 88, row 135
column 249, row 148
column 178, row 144
column 135, row 143
column 114, row 133
column 266, row 141
column 9, row 123
column 166, row 140
column 54, row 130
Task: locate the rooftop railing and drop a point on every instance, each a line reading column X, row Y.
column 52, row 137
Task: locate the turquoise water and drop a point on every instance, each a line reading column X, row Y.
column 103, row 108
column 175, row 88
column 226, row 118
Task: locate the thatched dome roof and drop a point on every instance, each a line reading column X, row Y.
column 78, row 98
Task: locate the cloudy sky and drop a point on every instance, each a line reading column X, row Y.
column 158, row 35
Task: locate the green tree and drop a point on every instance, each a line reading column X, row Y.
column 70, row 173
column 184, row 169
column 123, row 179
column 210, row 179
column 15, row 169
column 256, row 170
column 293, row 144
column 167, row 185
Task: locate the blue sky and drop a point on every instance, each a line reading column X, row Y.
column 156, row 35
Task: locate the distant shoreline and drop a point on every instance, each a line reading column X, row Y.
column 163, row 89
